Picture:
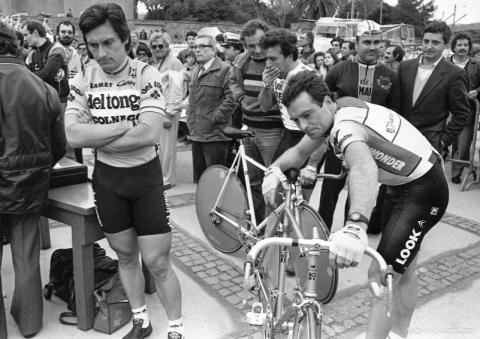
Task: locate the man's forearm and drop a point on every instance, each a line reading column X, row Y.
column 298, row 154
column 266, row 99
column 89, row 135
column 362, row 178
column 142, row 135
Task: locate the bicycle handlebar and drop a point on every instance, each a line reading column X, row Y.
column 386, row 272
column 338, row 176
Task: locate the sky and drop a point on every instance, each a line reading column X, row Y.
column 469, row 8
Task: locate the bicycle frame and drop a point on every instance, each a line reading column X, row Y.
column 241, row 158
column 306, row 298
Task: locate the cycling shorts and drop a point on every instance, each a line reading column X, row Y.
column 410, row 211
column 128, row 197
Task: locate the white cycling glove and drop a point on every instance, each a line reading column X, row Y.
column 308, row 175
column 347, row 246
column 273, row 178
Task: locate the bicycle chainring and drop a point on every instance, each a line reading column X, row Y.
column 245, row 227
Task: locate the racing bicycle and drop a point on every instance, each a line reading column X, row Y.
column 226, row 215
column 302, row 318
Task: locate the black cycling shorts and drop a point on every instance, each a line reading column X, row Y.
column 128, row 197
column 412, row 210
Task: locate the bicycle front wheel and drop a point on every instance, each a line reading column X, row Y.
column 232, row 205
column 306, row 325
column 327, row 277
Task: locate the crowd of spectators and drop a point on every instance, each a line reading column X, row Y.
column 216, row 81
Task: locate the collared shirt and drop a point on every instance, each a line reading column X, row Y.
column 207, row 65
column 460, row 64
column 423, row 74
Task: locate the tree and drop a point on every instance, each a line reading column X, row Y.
column 314, row 9
column 214, row 10
column 387, row 14
column 363, row 8
column 414, row 12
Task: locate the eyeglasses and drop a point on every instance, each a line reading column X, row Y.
column 157, row 46
column 201, row 46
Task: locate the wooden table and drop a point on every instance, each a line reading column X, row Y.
column 74, row 206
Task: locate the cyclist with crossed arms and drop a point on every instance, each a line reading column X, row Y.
column 377, row 146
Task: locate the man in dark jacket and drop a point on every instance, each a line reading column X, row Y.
column 432, row 89
column 48, row 60
column 210, row 108
column 461, row 45
column 32, row 140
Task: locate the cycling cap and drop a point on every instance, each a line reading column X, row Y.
column 368, row 28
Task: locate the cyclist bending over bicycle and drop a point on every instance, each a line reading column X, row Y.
column 378, row 146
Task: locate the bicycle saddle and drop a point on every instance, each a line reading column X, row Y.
column 237, row 133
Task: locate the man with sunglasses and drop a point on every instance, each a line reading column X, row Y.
column 172, row 79
column 210, row 108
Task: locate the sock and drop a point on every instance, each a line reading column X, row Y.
column 141, row 313
column 393, row 335
column 176, row 325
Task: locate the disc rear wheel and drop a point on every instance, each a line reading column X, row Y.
column 221, row 233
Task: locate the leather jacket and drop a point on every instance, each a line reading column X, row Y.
column 32, row 137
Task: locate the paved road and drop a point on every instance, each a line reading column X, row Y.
column 449, row 267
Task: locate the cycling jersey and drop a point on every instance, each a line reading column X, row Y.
column 278, row 88
column 400, row 151
column 128, row 186
column 111, row 98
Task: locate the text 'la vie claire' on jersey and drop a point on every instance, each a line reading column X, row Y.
column 111, row 98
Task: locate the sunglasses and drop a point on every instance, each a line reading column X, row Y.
column 157, row 46
column 201, row 46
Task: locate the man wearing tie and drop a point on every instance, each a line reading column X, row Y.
column 210, row 108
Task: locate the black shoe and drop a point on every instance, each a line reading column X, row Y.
column 456, row 179
column 172, row 334
column 137, row 331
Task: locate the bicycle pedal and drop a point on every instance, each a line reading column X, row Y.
column 256, row 317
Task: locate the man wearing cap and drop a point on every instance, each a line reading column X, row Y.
column 231, row 48
column 367, row 79
column 33, row 140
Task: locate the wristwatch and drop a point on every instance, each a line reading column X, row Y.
column 357, row 217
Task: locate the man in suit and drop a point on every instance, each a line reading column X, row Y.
column 431, row 87
column 31, row 145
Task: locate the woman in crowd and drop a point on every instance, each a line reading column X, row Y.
column 318, row 59
column 330, row 59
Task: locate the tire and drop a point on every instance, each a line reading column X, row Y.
column 327, row 277
column 307, row 326
column 222, row 235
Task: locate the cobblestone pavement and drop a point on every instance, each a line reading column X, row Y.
column 347, row 314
